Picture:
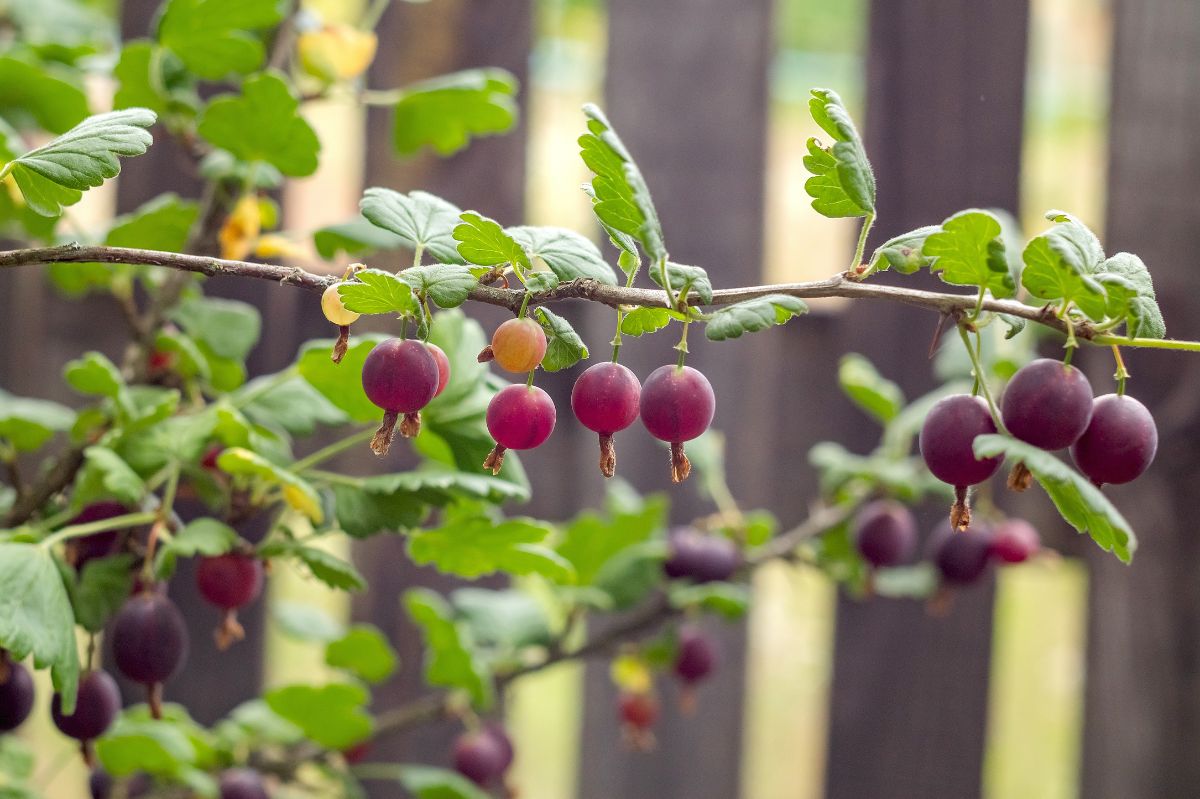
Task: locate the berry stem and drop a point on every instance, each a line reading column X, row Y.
column 529, row 380
column 1122, row 374
column 981, row 379
column 524, row 305
column 682, row 345
column 664, row 272
column 868, row 223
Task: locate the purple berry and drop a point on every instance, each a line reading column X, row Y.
column 480, row 757
column 521, row 417
column 677, row 403
column 500, row 736
column 695, row 657
column 242, row 783
column 1047, row 404
column 16, row 694
column 1015, row 541
column 885, row 533
column 701, row 558
column 947, row 438
column 96, row 707
column 229, row 581
column 149, row 638
column 400, row 376
column 960, row 557
column 1119, row 443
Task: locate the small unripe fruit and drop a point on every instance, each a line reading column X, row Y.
column 16, row 695
column 519, row 345
column 443, row 365
column 149, row 638
column 480, row 757
column 885, row 533
column 1015, row 541
column 695, row 657
column 334, row 309
column 1120, row 441
column 960, row 557
column 242, row 783
column 97, row 704
column 1047, row 404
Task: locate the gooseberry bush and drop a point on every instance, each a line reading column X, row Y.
column 174, row 453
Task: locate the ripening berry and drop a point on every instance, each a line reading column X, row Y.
column 480, row 757
column 96, row 707
column 242, row 783
column 701, row 558
column 1047, row 404
column 401, row 377
column 605, row 400
column 232, row 580
column 518, row 417
column 948, row 435
column 443, row 365
column 149, row 638
column 519, row 345
column 333, row 308
column 1015, row 541
column 16, row 694
column 695, row 656
column 961, row 557
column 677, row 404
column 1119, row 443
column 639, row 711
column 885, row 533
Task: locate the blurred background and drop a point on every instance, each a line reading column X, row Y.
column 1073, row 677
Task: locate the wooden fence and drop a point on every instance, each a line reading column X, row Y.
column 687, row 84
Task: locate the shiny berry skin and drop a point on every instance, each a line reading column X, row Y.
column 677, row 404
column 961, row 558
column 229, row 581
column 96, row 707
column 699, row 557
column 480, row 757
column 885, row 533
column 149, row 638
column 521, row 417
column 242, row 783
column 443, row 365
column 16, row 697
column 1119, row 443
column 500, row 736
column 605, row 398
column 1047, row 404
column 947, row 436
column 96, row 545
column 695, row 656
column 519, row 345
column 400, row 376
column 334, row 309
column 639, row 711
column 1015, row 541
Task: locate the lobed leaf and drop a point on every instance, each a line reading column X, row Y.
column 357, row 237
column 753, row 315
column 1131, row 295
column 641, row 321
column 475, row 545
column 229, row 328
column 569, row 255
column 333, row 715
column 42, row 94
column 374, row 291
column 1060, row 265
column 421, row 220
column 444, row 113
column 263, row 123
column 482, row 241
column 364, row 652
column 904, row 252
column 564, row 347
column 878, row 397
column 448, row 285
column 450, row 658
column 842, row 183
column 214, row 38
column 27, row 424
column 685, row 280
column 969, row 250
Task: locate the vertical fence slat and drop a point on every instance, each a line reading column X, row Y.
column 944, row 124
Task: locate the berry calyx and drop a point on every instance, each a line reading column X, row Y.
column 1015, row 541
column 946, row 442
column 16, row 694
column 885, row 533
column 443, row 365
column 229, row 581
column 518, row 417
column 519, row 345
column 638, row 713
column 242, row 783
column 97, row 704
column 699, row 557
column 961, row 557
column 1120, row 441
column 401, row 377
column 1047, row 404
column 677, row 404
column 605, row 400
column 149, row 642
column 481, row 757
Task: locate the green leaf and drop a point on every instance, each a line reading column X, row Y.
column 475, row 545
column 564, row 347
column 364, row 652
column 376, row 291
column 620, row 197
column 918, row 581
column 262, row 124
column 447, row 111
column 482, row 241
column 907, row 479
column 57, row 173
column 538, row 282
column 333, row 715
column 356, row 237
column 102, row 588
column 36, row 617
column 203, row 536
column 430, row 782
column 685, row 279
column 139, row 87
column 903, row 253
column 753, row 315
column 230, row 328
column 875, row 395
column 591, row 540
column 292, row 404
column 568, row 255
column 448, row 285
column 1133, row 299
column 969, row 251
column 145, row 745
column 43, row 94
column 641, row 321
column 1082, row 504
column 506, row 619
column 730, row 600
column 96, row 375
column 340, row 383
column 450, row 658
column 1059, row 265
column 419, row 219
column 105, row 474
column 215, row 37
column 361, row 514
column 330, row 569
column 306, row 622
column 297, row 492
column 27, row 424
column 842, row 183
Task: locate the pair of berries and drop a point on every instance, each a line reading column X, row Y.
column 402, row 377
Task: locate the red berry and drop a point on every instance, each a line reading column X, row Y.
column 605, row 398
column 400, row 376
column 229, row 581
column 696, row 656
column 242, row 783
column 521, row 417
column 149, row 638
column 639, row 711
column 16, row 695
column 677, row 403
column 96, row 707
column 947, row 438
column 885, row 533
column 480, row 757
column 1047, row 404
column 1119, row 443
column 960, row 557
column 443, row 365
column 1015, row 541
column 519, row 345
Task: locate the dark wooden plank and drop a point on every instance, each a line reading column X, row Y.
column 692, row 108
column 943, row 126
column 1142, row 718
